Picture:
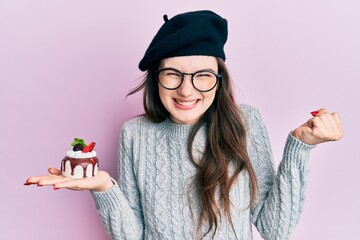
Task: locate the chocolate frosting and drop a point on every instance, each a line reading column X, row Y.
column 84, row 162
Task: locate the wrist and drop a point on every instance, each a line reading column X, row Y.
column 106, row 186
column 295, row 134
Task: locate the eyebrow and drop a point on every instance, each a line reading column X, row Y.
column 204, row 69
column 207, row 69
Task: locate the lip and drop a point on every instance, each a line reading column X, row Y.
column 185, row 104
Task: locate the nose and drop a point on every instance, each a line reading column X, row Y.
column 186, row 88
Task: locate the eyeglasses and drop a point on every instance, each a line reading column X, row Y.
column 203, row 80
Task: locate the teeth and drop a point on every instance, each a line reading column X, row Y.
column 186, row 103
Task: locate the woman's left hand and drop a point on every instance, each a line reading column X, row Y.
column 323, row 127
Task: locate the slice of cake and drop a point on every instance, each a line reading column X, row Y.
column 81, row 161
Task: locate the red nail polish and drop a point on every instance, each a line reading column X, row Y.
column 27, row 184
column 55, row 188
column 314, row 113
column 39, row 185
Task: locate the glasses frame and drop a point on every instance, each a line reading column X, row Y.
column 218, row 77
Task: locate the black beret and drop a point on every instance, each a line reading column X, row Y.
column 192, row 33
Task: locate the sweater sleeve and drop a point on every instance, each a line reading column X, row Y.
column 120, row 207
column 281, row 196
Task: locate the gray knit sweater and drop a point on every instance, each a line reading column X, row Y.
column 155, row 190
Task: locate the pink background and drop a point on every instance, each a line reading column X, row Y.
column 66, row 66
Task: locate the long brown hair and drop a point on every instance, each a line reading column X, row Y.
column 225, row 145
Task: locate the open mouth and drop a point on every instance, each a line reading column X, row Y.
column 186, row 104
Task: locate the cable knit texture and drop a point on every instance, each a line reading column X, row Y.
column 155, row 196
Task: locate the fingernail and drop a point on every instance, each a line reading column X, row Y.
column 314, row 113
column 39, row 185
column 55, row 188
column 27, row 183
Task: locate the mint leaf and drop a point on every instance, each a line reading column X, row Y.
column 78, row 141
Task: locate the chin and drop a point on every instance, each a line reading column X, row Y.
column 184, row 120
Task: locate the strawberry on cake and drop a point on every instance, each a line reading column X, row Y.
column 81, row 161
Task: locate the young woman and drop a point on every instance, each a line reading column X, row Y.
column 196, row 165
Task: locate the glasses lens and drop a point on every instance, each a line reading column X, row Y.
column 205, row 80
column 170, row 78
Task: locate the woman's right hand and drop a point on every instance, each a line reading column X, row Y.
column 101, row 182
